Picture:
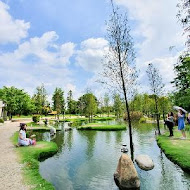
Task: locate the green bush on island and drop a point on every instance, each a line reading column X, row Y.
column 142, row 120
column 1, row 121
column 102, row 127
column 103, row 118
column 176, row 150
column 30, row 156
column 36, row 118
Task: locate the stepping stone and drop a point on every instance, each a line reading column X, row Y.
column 144, row 162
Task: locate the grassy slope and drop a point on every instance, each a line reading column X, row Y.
column 176, row 150
column 102, row 127
column 30, row 156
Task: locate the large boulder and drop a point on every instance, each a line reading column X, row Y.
column 126, row 176
column 144, row 162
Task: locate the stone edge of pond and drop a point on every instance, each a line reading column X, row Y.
column 171, row 154
column 30, row 158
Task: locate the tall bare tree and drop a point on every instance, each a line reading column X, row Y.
column 119, row 72
column 156, row 87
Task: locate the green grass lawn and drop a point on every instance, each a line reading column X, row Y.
column 176, row 150
column 33, row 124
column 102, row 127
column 30, row 156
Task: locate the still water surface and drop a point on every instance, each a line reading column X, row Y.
column 87, row 160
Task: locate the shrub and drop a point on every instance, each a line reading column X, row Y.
column 1, row 120
column 36, row 118
column 135, row 116
column 142, row 120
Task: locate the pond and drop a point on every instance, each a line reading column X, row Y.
column 87, row 160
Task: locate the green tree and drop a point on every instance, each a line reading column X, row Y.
column 58, row 101
column 88, row 105
column 164, row 105
column 182, row 82
column 70, row 103
column 40, row 100
column 107, row 104
column 117, row 105
column 137, row 103
column 17, row 101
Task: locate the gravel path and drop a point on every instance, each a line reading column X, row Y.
column 10, row 169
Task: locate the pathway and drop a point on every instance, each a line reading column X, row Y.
column 10, row 169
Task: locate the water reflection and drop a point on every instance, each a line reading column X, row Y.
column 88, row 159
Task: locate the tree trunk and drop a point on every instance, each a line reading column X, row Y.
column 127, row 105
column 163, row 114
column 130, row 126
column 157, row 115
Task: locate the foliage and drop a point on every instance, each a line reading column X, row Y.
column 102, row 127
column 106, row 103
column 118, row 106
column 1, row 120
column 182, row 82
column 40, row 100
column 143, row 103
column 17, row 101
column 58, row 101
column 30, row 157
column 87, row 105
column 71, row 104
column 135, row 116
column 175, row 149
column 142, row 120
column 156, row 87
column 36, row 118
column 164, row 105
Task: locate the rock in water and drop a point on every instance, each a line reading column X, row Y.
column 144, row 162
column 52, row 131
column 126, row 176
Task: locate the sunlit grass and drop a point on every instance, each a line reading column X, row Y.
column 29, row 156
column 102, row 127
column 176, row 149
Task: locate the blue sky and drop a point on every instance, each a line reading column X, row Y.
column 61, row 43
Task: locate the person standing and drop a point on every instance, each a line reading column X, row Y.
column 181, row 123
column 170, row 123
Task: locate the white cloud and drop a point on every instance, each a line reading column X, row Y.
column 91, row 54
column 11, row 30
column 41, row 50
column 36, row 61
column 165, row 68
